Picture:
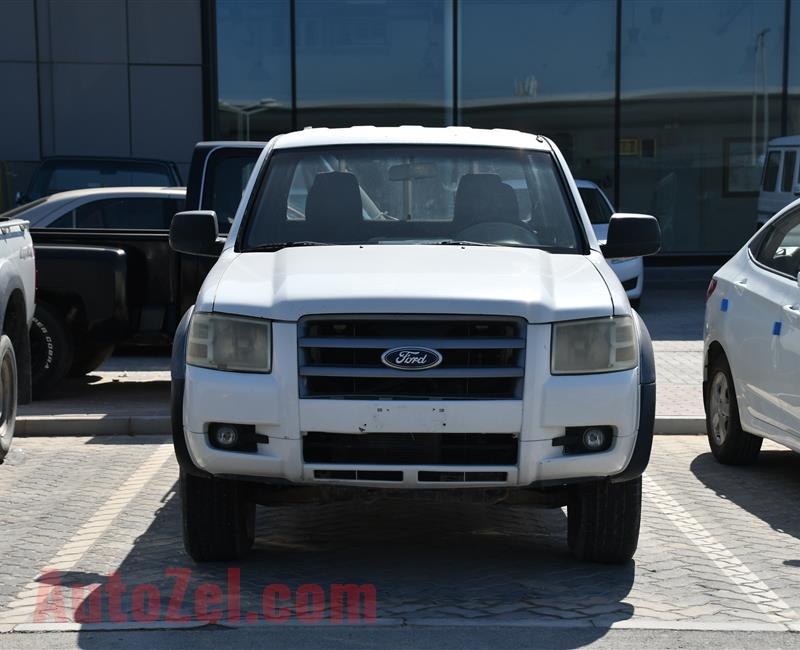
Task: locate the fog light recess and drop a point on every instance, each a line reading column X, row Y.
column 594, row 439
column 586, row 440
column 232, row 437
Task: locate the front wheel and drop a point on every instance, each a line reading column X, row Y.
column 729, row 443
column 603, row 520
column 218, row 519
column 8, row 394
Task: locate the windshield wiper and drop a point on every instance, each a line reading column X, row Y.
column 284, row 244
column 464, row 242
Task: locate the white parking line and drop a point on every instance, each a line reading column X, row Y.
column 728, row 564
column 22, row 608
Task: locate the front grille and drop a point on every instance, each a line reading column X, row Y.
column 410, row 448
column 340, row 357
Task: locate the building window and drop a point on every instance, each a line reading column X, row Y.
column 793, row 117
column 254, row 68
column 543, row 67
column 380, row 63
column 695, row 77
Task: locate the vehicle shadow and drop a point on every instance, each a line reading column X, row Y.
column 437, row 563
column 769, row 490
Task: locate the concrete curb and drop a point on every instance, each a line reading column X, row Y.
column 91, row 425
column 680, row 425
column 147, row 425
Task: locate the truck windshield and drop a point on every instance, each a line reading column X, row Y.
column 404, row 194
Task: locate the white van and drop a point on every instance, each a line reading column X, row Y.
column 780, row 184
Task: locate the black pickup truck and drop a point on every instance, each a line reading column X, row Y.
column 97, row 289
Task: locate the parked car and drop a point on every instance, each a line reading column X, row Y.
column 106, row 273
column 17, row 286
column 61, row 173
column 442, row 345
column 780, row 180
column 752, row 344
column 600, row 210
column 114, row 208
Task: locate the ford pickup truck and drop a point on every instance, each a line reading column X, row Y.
column 17, row 287
column 419, row 310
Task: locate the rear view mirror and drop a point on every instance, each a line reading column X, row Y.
column 411, row 171
column 195, row 232
column 632, row 235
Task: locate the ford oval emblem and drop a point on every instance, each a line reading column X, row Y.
column 411, row 358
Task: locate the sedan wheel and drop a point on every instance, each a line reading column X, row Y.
column 729, row 443
column 720, row 407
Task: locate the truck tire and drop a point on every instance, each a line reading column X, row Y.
column 603, row 520
column 729, row 443
column 52, row 349
column 89, row 357
column 218, row 521
column 8, row 394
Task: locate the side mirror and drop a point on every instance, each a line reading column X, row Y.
column 195, row 232
column 632, row 235
column 20, row 198
column 797, row 189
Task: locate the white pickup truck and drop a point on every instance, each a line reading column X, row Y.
column 412, row 309
column 17, row 287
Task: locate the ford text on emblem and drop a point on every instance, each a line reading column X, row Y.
column 411, row 358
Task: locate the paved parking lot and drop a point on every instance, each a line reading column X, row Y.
column 719, row 549
column 85, row 517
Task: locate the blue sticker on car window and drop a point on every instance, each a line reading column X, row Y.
column 776, row 328
column 723, row 306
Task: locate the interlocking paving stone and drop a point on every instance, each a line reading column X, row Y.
column 428, row 561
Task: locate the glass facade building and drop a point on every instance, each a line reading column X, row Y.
column 666, row 104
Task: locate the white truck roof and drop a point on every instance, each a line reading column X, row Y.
column 450, row 135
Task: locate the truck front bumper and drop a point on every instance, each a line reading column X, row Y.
column 550, row 404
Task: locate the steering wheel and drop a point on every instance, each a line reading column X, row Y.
column 499, row 232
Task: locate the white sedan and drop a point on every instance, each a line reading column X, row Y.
column 630, row 271
column 127, row 208
column 751, row 384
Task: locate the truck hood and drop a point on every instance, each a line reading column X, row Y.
column 293, row 282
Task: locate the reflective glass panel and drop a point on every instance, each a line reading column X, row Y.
column 793, row 117
column 543, row 67
column 701, row 90
column 254, row 69
column 378, row 62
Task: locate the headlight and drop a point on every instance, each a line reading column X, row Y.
column 596, row 345
column 231, row 343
